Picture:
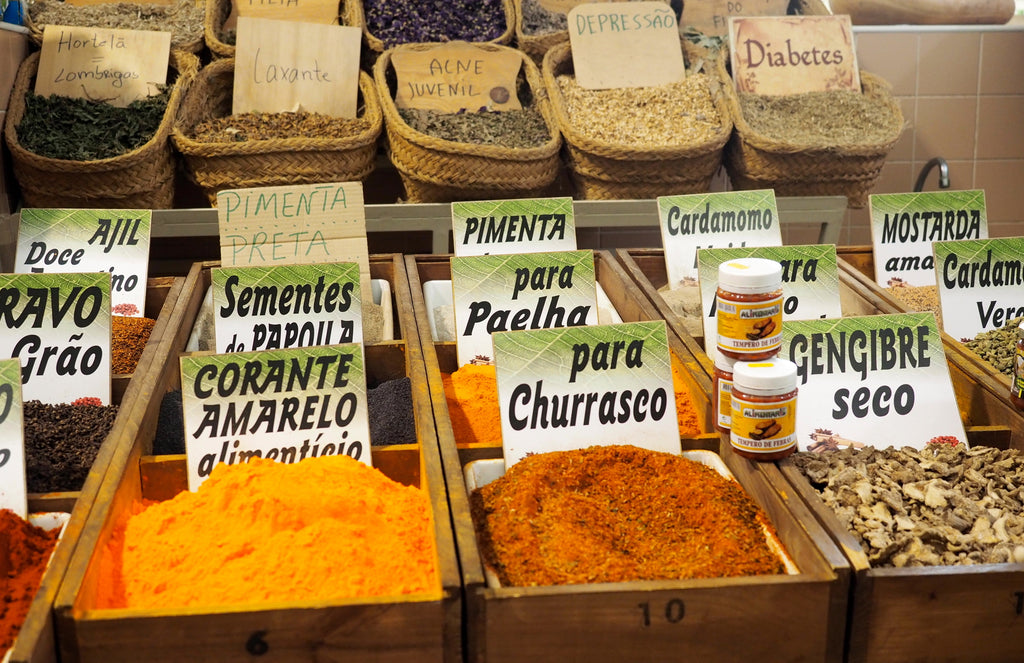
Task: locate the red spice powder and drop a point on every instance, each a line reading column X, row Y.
column 686, row 408
column 26, row 550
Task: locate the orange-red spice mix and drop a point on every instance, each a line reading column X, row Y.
column 128, row 339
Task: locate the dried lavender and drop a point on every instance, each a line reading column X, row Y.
column 413, row 21
column 512, row 128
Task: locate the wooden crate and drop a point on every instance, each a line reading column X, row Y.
column 427, row 629
column 35, row 642
column 778, row 618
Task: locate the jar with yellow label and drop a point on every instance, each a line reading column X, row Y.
column 748, row 308
column 721, row 391
column 763, row 425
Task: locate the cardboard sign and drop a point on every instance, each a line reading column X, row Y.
column 283, row 66
column 515, row 292
column 90, row 240
column 625, row 44
column 810, row 282
column 793, row 54
column 564, row 389
column 58, row 325
column 714, row 220
column 289, row 225
column 456, row 76
column 530, row 225
column 875, row 380
column 285, row 405
column 307, row 11
column 286, row 306
column 904, row 225
column 711, row 17
column 981, row 284
column 102, row 64
column 13, row 486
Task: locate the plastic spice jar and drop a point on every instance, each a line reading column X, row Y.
column 721, row 405
column 748, row 308
column 1017, row 384
column 763, row 401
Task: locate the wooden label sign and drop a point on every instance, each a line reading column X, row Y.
column 457, row 76
column 102, row 64
column 307, row 11
column 58, row 325
column 529, row 291
column 711, row 17
column 283, row 66
column 793, row 54
column 879, row 380
column 625, row 44
column 981, row 284
column 564, row 389
column 299, row 224
column 904, row 225
column 810, row 282
column 286, row 306
column 531, row 225
column 285, row 405
column 13, row 488
column 90, row 240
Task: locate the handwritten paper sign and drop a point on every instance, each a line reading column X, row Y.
column 13, row 489
column 530, row 225
column 711, row 17
column 625, row 44
column 810, row 282
column 90, row 240
column 102, row 64
column 904, row 225
column 308, row 11
column 290, row 405
column 283, row 66
column 793, row 54
column 564, row 389
column 981, row 284
column 299, row 224
column 512, row 292
column 286, row 306
column 457, row 76
column 875, row 380
column 58, row 325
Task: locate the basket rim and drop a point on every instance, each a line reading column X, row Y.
column 395, row 123
column 356, row 16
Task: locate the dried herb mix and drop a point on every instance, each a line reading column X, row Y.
column 513, row 128
column 409, row 21
column 836, row 117
column 618, row 514
column 183, row 18
column 536, row 20
column 82, row 130
column 996, row 346
column 61, row 442
column 265, row 126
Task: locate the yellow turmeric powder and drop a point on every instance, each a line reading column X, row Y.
column 472, row 396
column 323, row 528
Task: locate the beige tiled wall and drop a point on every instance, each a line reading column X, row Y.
column 962, row 94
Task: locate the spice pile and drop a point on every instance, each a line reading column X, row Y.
column 408, row 21
column 523, row 128
column 943, row 505
column 390, row 413
column 267, row 126
column 618, row 514
column 170, row 426
column 183, row 18
column 28, row 549
column 918, row 298
column 835, row 117
column 996, row 346
column 538, row 20
column 128, row 339
column 320, row 529
column 676, row 114
column 82, row 130
column 686, row 408
column 61, row 443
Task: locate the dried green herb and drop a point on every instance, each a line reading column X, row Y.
column 513, row 128
column 82, row 130
column 836, row 117
column 264, row 126
column 182, row 18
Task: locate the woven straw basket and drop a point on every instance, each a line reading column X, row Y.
column 273, row 162
column 613, row 171
column 437, row 170
column 35, row 34
column 140, row 179
column 756, row 161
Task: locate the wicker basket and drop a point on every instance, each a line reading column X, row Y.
column 217, row 12
column 274, row 162
column 612, row 171
column 756, row 161
column 353, row 14
column 437, row 170
column 140, row 179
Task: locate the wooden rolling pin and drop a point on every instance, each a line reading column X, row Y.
column 925, row 12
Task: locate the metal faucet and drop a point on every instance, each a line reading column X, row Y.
column 943, row 173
